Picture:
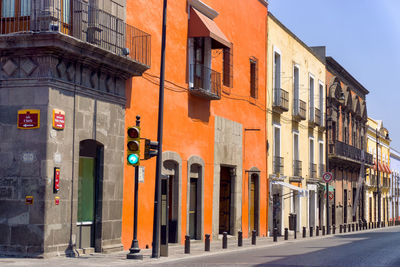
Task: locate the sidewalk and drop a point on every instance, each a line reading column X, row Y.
column 176, row 252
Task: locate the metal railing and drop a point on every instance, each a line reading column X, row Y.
column 299, row 109
column 321, row 170
column 281, row 99
column 372, row 180
column 297, row 168
column 342, row 149
column 206, row 82
column 278, row 165
column 313, row 170
column 79, row 19
column 311, row 114
column 317, row 118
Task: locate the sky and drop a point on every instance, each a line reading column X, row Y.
column 364, row 37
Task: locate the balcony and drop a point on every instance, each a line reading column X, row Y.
column 313, row 170
column 281, row 100
column 372, row 180
column 297, row 168
column 347, row 152
column 321, row 170
column 84, row 22
column 317, row 117
column 299, row 110
column 278, row 166
column 206, row 82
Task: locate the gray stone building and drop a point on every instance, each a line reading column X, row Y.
column 68, row 59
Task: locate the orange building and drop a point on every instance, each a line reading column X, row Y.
column 214, row 146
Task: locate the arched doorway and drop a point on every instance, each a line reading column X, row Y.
column 195, row 198
column 90, row 191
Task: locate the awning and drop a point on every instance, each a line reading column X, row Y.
column 202, row 26
column 379, row 166
column 387, row 168
column 301, row 190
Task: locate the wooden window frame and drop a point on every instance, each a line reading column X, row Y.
column 254, row 77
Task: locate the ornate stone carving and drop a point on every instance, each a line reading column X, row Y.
column 10, row 67
column 28, row 66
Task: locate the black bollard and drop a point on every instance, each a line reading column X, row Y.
column 317, row 231
column 286, row 234
column 340, row 229
column 207, row 243
column 224, row 240
column 323, row 230
column 311, row 231
column 356, row 226
column 187, row 244
column 349, row 228
column 253, row 237
column 304, row 232
column 240, row 239
column 352, row 227
column 344, row 228
column 275, row 234
column 334, row 229
column 328, row 230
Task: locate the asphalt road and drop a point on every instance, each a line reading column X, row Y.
column 372, row 248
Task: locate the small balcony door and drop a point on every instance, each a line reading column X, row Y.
column 15, row 15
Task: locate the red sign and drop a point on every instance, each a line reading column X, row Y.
column 28, row 119
column 58, row 119
column 57, row 200
column 56, row 179
column 330, row 195
column 327, row 177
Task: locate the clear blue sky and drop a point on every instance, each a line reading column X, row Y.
column 364, row 37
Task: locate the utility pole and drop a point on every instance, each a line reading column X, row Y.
column 327, row 164
column 378, row 178
column 155, row 253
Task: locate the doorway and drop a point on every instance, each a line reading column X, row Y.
column 345, row 206
column 311, row 206
column 225, row 200
column 90, row 194
column 254, row 202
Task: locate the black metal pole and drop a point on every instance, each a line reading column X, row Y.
column 135, row 250
column 327, row 164
column 378, row 178
column 155, row 253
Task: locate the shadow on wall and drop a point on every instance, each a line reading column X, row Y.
column 198, row 109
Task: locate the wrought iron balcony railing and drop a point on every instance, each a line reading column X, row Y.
column 297, row 168
column 344, row 150
column 372, row 180
column 313, row 170
column 299, row 110
column 321, row 170
column 79, row 19
column 281, row 99
column 278, row 165
column 206, row 82
column 317, row 118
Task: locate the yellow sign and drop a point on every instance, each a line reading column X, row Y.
column 58, row 119
column 29, row 200
column 28, row 119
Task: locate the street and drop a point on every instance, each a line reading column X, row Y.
column 367, row 248
column 372, row 248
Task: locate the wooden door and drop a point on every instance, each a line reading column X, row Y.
column 193, row 208
column 224, row 201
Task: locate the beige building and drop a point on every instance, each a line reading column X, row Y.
column 296, row 130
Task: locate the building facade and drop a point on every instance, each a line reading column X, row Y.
column 379, row 175
column 214, row 146
column 62, row 119
column 395, row 183
column 347, row 133
column 296, row 130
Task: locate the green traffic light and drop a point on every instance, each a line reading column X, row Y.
column 133, row 159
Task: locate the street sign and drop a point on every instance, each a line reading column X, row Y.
column 28, row 119
column 141, row 174
column 58, row 119
column 330, row 195
column 327, row 177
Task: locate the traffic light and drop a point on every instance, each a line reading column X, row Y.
column 133, row 146
column 150, row 149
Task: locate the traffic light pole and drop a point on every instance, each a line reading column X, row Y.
column 135, row 250
column 157, row 193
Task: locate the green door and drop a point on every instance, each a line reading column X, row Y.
column 86, row 200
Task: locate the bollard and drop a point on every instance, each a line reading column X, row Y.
column 207, row 243
column 344, row 228
column 323, row 229
column 275, row 234
column 352, row 227
column 340, row 229
column 311, row 231
column 240, row 239
column 187, row 244
column 328, row 230
column 286, row 234
column 224, row 240
column 253, row 237
column 317, row 231
column 304, row 232
column 349, row 227
column 356, row 226
column 334, row 229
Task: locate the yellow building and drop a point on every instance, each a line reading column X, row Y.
column 296, row 132
column 378, row 177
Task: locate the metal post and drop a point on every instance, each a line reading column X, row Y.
column 187, row 244
column 275, row 233
column 334, row 229
column 317, row 231
column 327, row 164
column 304, row 232
column 286, row 234
column 207, row 243
column 378, row 178
column 323, row 230
column 253, row 237
column 240, row 239
column 311, row 231
column 340, row 229
column 157, row 192
column 224, row 240
column 134, row 251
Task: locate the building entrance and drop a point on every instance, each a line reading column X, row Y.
column 225, row 200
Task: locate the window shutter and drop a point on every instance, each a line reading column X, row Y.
column 228, row 67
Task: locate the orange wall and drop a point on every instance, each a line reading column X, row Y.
column 188, row 120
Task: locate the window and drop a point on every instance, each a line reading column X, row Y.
column 15, row 8
column 277, row 70
column 228, row 67
column 311, row 103
column 321, row 103
column 253, row 77
column 296, row 89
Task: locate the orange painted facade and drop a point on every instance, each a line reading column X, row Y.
column 189, row 121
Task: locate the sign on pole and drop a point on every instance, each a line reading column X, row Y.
column 327, row 177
